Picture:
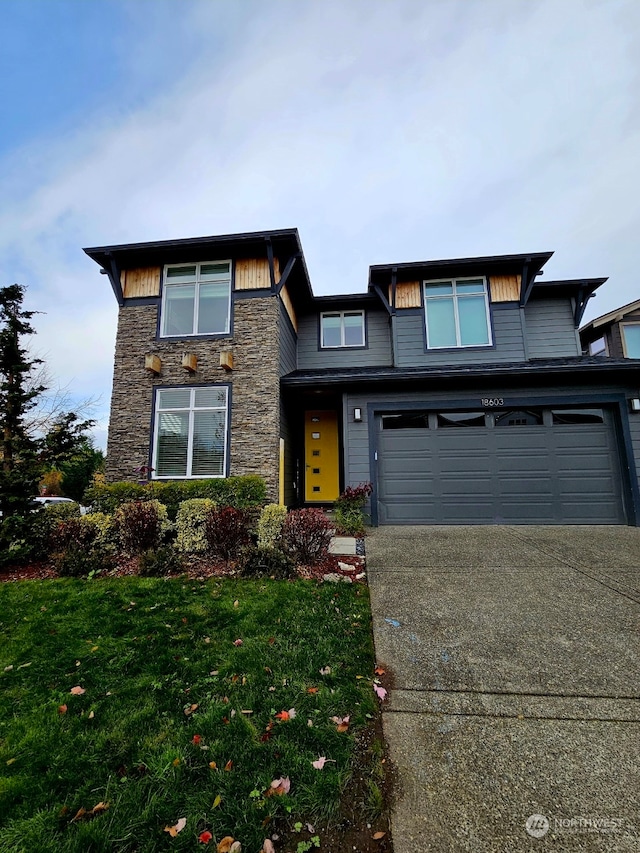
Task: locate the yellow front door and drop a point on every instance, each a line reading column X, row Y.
column 322, row 479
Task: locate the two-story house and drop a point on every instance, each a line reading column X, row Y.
column 457, row 387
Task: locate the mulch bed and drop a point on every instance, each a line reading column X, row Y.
column 196, row 568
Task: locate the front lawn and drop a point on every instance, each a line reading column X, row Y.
column 177, row 711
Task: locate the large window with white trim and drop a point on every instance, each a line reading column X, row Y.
column 631, row 339
column 457, row 313
column 196, row 299
column 190, row 432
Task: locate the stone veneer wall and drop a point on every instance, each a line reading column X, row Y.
column 255, row 390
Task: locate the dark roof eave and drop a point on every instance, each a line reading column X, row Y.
column 300, row 379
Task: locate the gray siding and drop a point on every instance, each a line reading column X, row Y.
column 550, row 328
column 288, row 343
column 508, row 343
column 376, row 354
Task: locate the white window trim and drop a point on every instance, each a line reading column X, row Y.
column 604, row 350
column 196, row 310
column 623, row 325
column 455, row 297
column 342, row 344
column 191, row 409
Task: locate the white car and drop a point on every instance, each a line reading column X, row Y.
column 49, row 500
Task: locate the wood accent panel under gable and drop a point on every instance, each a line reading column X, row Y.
column 505, row 288
column 140, row 282
column 253, row 273
column 408, row 294
column 288, row 304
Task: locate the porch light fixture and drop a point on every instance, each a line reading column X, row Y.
column 634, row 404
column 357, row 414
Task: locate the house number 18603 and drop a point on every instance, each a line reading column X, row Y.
column 492, row 401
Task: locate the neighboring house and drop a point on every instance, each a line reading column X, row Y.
column 457, row 387
column 616, row 334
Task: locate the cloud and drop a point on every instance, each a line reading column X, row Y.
column 384, row 131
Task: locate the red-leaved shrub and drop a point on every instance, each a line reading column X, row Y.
column 306, row 535
column 139, row 525
column 226, row 531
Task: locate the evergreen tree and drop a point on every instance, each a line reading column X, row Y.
column 19, row 463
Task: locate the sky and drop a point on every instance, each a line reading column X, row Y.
column 385, row 131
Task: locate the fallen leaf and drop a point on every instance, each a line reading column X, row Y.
column 195, row 740
column 176, row 828
column 312, row 689
column 207, row 641
column 99, row 808
column 79, row 814
column 205, row 837
column 236, row 847
column 95, row 648
column 188, row 711
column 228, row 765
column 326, row 670
column 77, row 691
column 379, row 670
column 281, row 786
column 213, row 765
column 267, row 846
column 282, row 715
column 23, row 665
column 8, row 668
column 213, row 672
column 77, row 663
column 216, row 802
column 320, row 762
column 378, row 835
column 380, row 692
column 175, row 762
column 271, row 640
column 246, row 712
column 91, row 715
column 237, row 642
column 342, row 723
column 292, row 713
column 62, row 709
column 224, row 846
column 11, row 761
column 236, row 603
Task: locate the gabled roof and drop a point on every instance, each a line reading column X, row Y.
column 612, row 317
column 283, row 243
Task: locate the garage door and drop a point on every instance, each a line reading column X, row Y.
column 533, row 466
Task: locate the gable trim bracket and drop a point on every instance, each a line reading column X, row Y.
column 390, row 307
column 114, row 272
column 286, row 272
column 527, row 282
column 272, row 269
column 582, row 298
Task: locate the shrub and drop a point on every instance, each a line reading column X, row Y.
column 106, row 533
column 306, row 535
column 239, row 492
column 58, row 512
column 141, row 525
column 349, row 516
column 190, row 525
column 159, row 562
column 226, row 531
column 270, row 525
column 72, row 533
column 80, row 562
column 270, row 562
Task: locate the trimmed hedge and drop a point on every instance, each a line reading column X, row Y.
column 238, row 492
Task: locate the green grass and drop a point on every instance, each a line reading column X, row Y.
column 145, row 650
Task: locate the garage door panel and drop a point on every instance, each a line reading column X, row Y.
column 511, row 473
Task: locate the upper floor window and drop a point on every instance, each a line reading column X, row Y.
column 342, row 329
column 196, row 299
column 631, row 339
column 190, row 432
column 457, row 313
column 598, row 347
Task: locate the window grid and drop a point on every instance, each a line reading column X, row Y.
column 341, row 315
column 196, row 280
column 455, row 296
column 192, row 408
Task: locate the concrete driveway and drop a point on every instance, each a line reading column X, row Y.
column 516, row 658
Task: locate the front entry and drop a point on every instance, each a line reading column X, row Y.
column 321, row 457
